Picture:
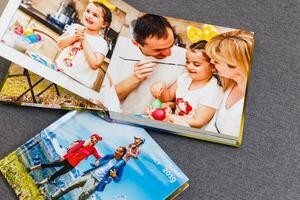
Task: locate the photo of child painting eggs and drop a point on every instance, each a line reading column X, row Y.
column 74, row 38
column 171, row 72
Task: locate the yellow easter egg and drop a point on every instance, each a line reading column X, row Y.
column 28, row 31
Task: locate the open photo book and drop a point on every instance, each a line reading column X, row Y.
column 81, row 156
column 178, row 76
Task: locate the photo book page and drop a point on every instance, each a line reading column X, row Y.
column 175, row 75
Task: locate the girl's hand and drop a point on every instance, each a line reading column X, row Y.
column 148, row 112
column 79, row 34
column 168, row 110
column 157, row 89
column 169, row 107
column 171, row 118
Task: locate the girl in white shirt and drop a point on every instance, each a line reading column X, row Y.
column 231, row 53
column 196, row 92
column 84, row 49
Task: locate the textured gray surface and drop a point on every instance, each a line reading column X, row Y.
column 267, row 166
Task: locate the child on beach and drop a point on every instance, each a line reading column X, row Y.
column 84, row 49
column 196, row 92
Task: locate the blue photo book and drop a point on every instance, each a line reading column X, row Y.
column 81, row 156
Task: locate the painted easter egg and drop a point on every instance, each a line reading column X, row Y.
column 155, row 103
column 159, row 114
column 33, row 38
column 28, row 31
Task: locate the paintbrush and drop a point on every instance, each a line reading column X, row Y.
column 157, row 62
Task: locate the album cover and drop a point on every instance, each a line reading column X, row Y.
column 81, row 156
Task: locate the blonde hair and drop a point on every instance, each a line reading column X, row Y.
column 234, row 48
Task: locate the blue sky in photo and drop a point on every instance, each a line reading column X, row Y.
column 153, row 176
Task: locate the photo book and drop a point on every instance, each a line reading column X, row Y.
column 163, row 73
column 81, row 156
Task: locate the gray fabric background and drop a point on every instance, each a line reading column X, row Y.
column 267, row 165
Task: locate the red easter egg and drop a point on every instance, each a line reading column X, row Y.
column 39, row 36
column 19, row 30
column 159, row 114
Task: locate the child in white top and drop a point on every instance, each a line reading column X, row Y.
column 231, row 53
column 84, row 49
column 134, row 149
column 196, row 92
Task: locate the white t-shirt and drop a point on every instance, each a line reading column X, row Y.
column 227, row 121
column 108, row 97
column 80, row 69
column 187, row 101
column 119, row 70
column 100, row 172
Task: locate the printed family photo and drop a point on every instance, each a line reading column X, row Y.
column 82, row 157
column 73, row 38
column 185, row 74
column 181, row 72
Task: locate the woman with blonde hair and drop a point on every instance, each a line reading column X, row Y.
column 231, row 53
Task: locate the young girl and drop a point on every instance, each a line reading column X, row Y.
column 231, row 53
column 84, row 49
column 134, row 149
column 196, row 92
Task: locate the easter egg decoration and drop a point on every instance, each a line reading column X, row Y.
column 19, row 30
column 39, row 36
column 33, row 38
column 28, row 31
column 155, row 103
column 158, row 114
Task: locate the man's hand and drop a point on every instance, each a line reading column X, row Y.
column 157, row 89
column 144, row 69
column 113, row 173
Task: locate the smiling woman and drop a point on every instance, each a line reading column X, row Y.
column 231, row 53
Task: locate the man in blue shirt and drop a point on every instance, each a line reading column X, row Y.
column 106, row 169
